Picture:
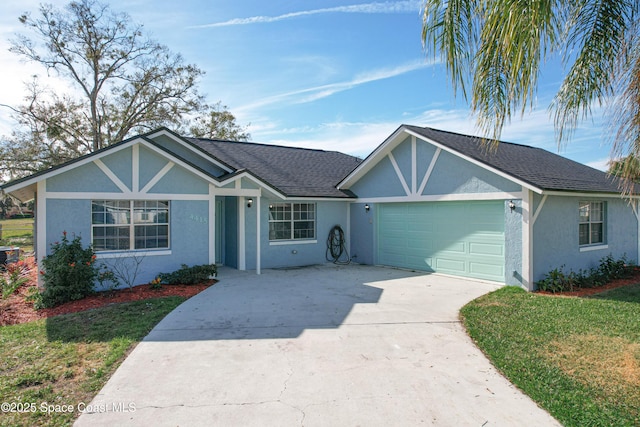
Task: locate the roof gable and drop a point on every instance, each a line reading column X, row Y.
column 534, row 168
column 285, row 171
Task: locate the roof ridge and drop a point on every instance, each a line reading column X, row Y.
column 263, row 144
column 476, row 137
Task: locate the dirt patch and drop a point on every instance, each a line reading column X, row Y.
column 17, row 309
column 598, row 359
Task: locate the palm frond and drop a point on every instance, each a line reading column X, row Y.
column 597, row 30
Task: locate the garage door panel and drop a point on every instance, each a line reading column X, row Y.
column 420, row 262
column 452, row 266
column 486, row 270
column 486, row 249
column 459, row 238
column 453, row 247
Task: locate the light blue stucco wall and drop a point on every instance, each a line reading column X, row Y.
column 555, row 235
column 453, row 175
column 120, row 163
column 362, row 233
column 72, row 216
column 85, row 178
column 189, row 219
column 513, row 244
column 188, row 227
column 381, row 181
column 180, row 181
column 450, row 175
column 295, row 253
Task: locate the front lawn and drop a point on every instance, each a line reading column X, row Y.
column 578, row 358
column 65, row 360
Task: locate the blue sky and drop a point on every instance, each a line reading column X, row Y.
column 331, row 74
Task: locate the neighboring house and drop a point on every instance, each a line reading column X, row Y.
column 424, row 199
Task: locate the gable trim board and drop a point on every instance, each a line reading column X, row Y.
column 413, row 169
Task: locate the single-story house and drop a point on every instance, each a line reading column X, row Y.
column 425, row 199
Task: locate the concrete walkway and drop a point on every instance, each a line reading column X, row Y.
column 316, row 346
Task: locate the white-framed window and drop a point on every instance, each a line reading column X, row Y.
column 292, row 221
column 592, row 223
column 121, row 225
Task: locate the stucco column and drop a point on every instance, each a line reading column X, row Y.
column 527, row 241
column 258, row 256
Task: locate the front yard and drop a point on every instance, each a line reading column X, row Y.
column 50, row 369
column 578, row 358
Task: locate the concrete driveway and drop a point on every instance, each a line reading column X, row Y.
column 316, row 346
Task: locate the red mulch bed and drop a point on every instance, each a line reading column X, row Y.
column 16, row 309
column 618, row 283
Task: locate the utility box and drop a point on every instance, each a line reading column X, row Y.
column 9, row 254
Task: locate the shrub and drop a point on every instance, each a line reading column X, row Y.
column 69, row 272
column 558, row 281
column 608, row 269
column 189, row 275
column 15, row 275
column 612, row 269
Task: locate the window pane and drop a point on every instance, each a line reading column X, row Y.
column 596, row 233
column 584, row 234
column 150, row 212
column 280, row 230
column 304, row 230
column 112, row 224
column 291, row 221
column 584, row 211
column 110, row 238
column 152, row 236
column 280, row 212
column 596, row 212
column 97, row 218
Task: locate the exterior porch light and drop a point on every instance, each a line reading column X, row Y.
column 367, row 207
column 512, row 206
column 249, row 203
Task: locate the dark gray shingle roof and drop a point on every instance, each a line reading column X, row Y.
column 535, row 166
column 296, row 172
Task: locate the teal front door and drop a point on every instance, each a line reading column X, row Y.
column 458, row 238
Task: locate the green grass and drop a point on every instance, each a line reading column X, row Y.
column 65, row 360
column 17, row 232
column 578, row 358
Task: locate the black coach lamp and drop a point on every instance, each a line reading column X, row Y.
column 249, row 203
column 367, row 207
column 512, row 206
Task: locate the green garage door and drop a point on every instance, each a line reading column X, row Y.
column 459, row 238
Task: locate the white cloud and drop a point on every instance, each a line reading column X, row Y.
column 360, row 138
column 354, row 138
column 602, row 164
column 385, row 7
column 318, row 92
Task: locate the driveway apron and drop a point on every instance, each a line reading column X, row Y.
column 315, row 346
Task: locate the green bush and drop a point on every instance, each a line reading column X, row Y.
column 608, row 269
column 189, row 275
column 558, row 281
column 69, row 272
